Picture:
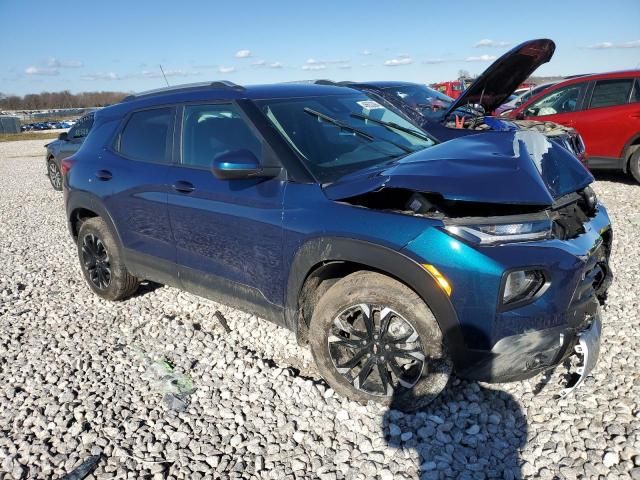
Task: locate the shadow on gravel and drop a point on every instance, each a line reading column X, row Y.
column 468, row 432
column 145, row 287
column 618, row 177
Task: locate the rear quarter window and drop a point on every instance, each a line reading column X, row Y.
column 608, row 93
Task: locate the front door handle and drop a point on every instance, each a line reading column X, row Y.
column 103, row 175
column 635, row 114
column 183, row 186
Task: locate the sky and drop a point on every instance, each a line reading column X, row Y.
column 120, row 45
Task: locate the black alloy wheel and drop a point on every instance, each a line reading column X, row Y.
column 96, row 262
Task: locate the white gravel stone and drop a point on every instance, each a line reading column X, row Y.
column 72, row 379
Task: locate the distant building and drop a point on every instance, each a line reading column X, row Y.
column 9, row 124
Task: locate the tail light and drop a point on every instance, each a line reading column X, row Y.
column 66, row 165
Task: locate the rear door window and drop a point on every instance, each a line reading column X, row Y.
column 147, row 136
column 608, row 93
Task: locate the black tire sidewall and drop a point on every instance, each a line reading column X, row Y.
column 634, row 165
column 122, row 283
column 375, row 288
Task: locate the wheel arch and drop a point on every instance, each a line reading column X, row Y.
column 334, row 257
column 84, row 205
column 629, row 148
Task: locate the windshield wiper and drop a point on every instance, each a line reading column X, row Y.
column 338, row 123
column 356, row 131
column 392, row 125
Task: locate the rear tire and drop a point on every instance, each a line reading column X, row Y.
column 353, row 359
column 53, row 172
column 634, row 165
column 102, row 262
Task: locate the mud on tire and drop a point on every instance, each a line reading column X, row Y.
column 397, row 305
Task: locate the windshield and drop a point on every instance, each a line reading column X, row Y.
column 339, row 134
column 427, row 100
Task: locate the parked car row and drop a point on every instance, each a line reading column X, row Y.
column 47, row 125
column 397, row 256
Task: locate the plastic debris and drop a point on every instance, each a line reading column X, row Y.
column 222, row 320
column 85, row 468
column 163, row 378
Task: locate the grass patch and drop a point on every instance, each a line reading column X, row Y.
column 10, row 137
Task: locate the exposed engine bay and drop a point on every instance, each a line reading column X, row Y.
column 568, row 214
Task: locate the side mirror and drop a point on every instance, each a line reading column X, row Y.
column 239, row 164
column 63, row 136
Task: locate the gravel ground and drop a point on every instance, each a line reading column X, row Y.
column 80, row 376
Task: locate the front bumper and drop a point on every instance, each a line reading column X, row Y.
column 502, row 345
column 520, row 357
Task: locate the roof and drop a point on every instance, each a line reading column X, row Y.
column 219, row 90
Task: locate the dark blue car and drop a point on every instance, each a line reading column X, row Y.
column 395, row 258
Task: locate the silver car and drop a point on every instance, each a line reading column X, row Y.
column 66, row 145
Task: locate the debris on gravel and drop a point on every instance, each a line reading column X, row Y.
column 73, row 386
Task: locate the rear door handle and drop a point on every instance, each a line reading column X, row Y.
column 635, row 114
column 103, row 175
column 183, row 186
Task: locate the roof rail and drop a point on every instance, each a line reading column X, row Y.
column 185, row 87
column 323, row 81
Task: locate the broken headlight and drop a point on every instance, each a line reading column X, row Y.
column 494, row 233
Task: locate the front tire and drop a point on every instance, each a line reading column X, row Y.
column 53, row 172
column 634, row 165
column 102, row 262
column 374, row 339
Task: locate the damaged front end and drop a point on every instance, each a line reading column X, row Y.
column 518, row 234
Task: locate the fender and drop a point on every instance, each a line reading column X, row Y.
column 80, row 199
column 377, row 257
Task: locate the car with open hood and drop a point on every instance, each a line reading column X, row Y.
column 446, row 118
column 397, row 259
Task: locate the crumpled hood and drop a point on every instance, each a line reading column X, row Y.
column 511, row 167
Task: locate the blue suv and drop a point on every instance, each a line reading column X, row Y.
column 397, row 259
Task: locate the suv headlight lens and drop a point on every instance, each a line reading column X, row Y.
column 521, row 285
column 489, row 234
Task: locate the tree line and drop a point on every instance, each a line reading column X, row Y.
column 64, row 99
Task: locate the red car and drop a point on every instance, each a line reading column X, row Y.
column 603, row 108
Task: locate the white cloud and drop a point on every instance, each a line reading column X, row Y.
column 243, row 54
column 433, row 61
column 41, row 71
column 481, row 58
column 605, row 45
column 226, row 69
column 101, row 76
column 345, row 66
column 485, row 42
column 57, row 63
column 366, row 52
column 319, row 66
column 275, row 65
column 259, row 63
column 396, row 62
